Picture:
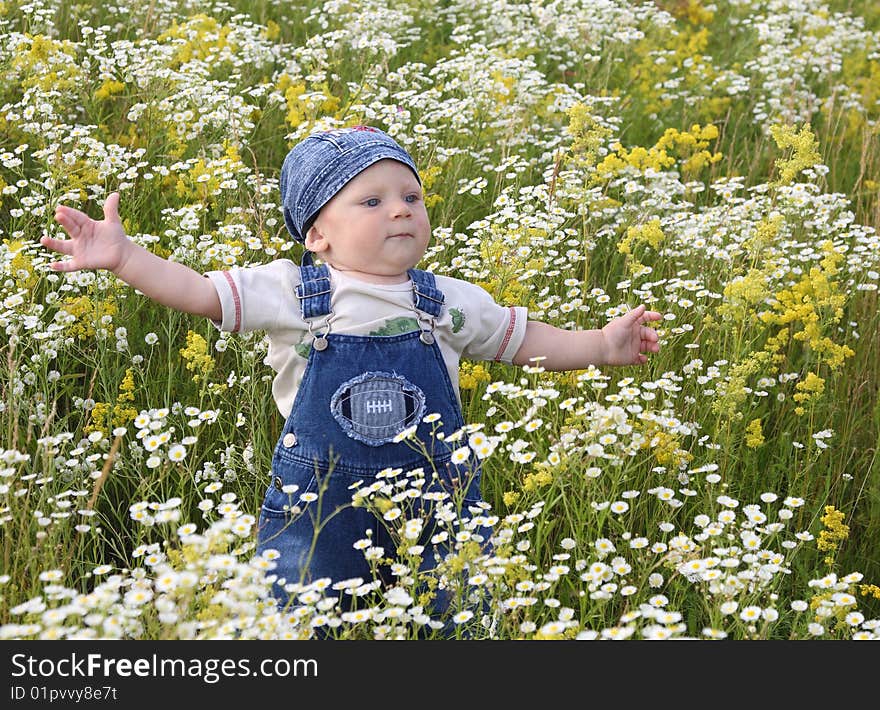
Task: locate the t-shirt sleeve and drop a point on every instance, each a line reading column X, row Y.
column 251, row 297
column 488, row 331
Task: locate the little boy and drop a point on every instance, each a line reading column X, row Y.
column 364, row 346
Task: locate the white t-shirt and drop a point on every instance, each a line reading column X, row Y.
column 471, row 325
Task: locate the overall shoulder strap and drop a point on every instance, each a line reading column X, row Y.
column 314, row 291
column 426, row 296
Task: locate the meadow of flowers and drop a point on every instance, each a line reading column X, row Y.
column 719, row 162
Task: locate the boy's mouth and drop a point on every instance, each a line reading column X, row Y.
column 401, row 235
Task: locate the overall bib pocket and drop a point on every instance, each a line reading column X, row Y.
column 291, row 491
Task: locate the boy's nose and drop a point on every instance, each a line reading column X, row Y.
column 401, row 208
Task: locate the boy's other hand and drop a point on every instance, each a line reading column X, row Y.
column 628, row 337
column 93, row 244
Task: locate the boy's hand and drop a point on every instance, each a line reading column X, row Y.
column 92, row 244
column 627, row 337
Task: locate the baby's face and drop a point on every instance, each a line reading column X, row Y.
column 376, row 227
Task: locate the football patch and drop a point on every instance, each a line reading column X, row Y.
column 376, row 406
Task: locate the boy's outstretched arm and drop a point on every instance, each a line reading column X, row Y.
column 103, row 244
column 623, row 341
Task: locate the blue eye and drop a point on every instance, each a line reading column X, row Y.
column 372, row 202
column 412, row 198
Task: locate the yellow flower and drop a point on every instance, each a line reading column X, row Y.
column 816, row 302
column 742, row 294
column 808, row 389
column 471, row 375
column 754, row 435
column 383, row 505
column 869, row 590
column 649, row 233
column 588, row 135
column 202, row 36
column 834, row 532
column 541, row 478
column 196, row 355
column 503, row 88
column 49, row 65
column 731, row 393
column 108, row 89
column 21, row 266
column 103, row 418
column 665, row 446
column 765, row 235
column 691, row 146
column 88, row 315
column 803, row 151
column 429, row 178
column 693, row 11
column 306, row 104
column 126, row 387
column 98, row 418
column 272, row 31
column 123, row 415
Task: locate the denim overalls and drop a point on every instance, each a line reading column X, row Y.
column 357, row 394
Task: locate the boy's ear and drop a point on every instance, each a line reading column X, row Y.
column 315, row 241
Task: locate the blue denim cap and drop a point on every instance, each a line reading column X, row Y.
column 322, row 164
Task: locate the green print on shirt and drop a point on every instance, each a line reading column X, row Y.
column 457, row 319
column 303, row 348
column 397, row 326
